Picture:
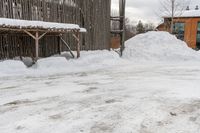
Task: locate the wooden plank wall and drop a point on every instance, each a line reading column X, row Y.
column 13, row 45
column 94, row 15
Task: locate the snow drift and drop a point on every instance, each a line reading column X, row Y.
column 158, row 46
column 89, row 60
column 148, row 47
column 12, row 67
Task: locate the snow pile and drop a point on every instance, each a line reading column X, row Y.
column 89, row 60
column 101, row 58
column 158, row 46
column 12, row 67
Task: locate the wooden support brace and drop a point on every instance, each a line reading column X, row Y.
column 67, row 46
column 34, row 36
column 37, row 37
column 29, row 34
column 42, row 35
column 77, row 37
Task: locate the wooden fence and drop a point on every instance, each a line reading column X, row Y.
column 94, row 15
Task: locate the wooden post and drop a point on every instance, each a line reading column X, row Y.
column 78, row 44
column 36, row 38
column 36, row 45
column 59, row 45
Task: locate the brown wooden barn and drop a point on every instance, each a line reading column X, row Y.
column 186, row 27
column 93, row 15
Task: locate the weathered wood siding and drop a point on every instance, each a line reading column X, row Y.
column 94, row 15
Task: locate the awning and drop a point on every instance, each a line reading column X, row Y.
column 20, row 25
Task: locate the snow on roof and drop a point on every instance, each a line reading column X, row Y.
column 184, row 14
column 5, row 22
column 83, row 30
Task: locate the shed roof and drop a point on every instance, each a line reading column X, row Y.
column 38, row 25
column 183, row 14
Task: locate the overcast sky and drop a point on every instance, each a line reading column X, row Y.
column 145, row 10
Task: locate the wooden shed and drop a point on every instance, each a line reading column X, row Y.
column 93, row 15
column 186, row 27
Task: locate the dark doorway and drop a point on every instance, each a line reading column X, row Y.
column 198, row 35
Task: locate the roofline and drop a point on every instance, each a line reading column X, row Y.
column 184, row 17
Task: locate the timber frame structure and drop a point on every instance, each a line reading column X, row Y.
column 38, row 32
column 93, row 15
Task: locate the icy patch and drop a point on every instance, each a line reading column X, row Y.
column 158, row 46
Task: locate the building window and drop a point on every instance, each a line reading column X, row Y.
column 198, row 35
column 179, row 30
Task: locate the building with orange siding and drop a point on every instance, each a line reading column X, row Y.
column 186, row 27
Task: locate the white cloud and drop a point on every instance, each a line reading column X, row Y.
column 146, row 10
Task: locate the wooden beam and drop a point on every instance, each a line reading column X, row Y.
column 14, row 29
column 43, row 35
column 116, row 17
column 36, row 38
column 117, row 31
column 27, row 32
column 75, row 36
column 67, row 46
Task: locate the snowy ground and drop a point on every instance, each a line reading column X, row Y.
column 110, row 96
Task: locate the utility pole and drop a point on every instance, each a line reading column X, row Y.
column 122, row 5
column 172, row 19
column 121, row 19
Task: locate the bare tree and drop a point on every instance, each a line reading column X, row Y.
column 173, row 8
column 114, row 24
column 149, row 27
column 130, row 29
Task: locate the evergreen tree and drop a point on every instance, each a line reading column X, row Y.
column 140, row 27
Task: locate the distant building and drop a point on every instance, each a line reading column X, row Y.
column 186, row 26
